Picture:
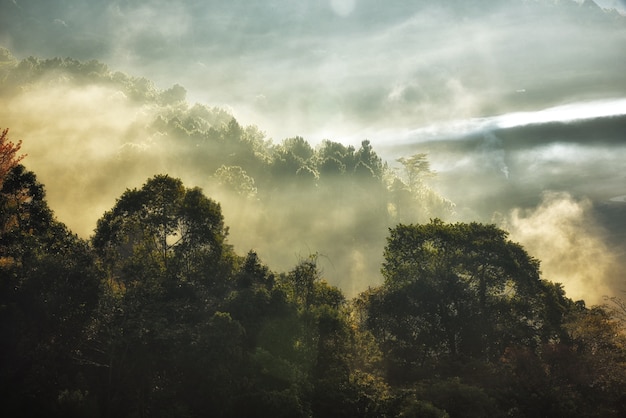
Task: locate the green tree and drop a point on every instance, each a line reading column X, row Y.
column 332, row 352
column 330, row 149
column 163, row 248
column 583, row 374
column 456, row 290
column 299, row 147
column 164, row 232
column 49, row 286
column 293, row 162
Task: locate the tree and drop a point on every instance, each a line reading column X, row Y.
column 299, row 148
column 236, row 179
column 583, row 374
column 599, row 345
column 168, row 268
column 49, row 287
column 459, row 400
column 293, row 162
column 330, row 149
column 173, row 95
column 455, row 290
column 369, row 159
column 416, row 170
column 164, row 232
column 8, row 155
column 411, row 197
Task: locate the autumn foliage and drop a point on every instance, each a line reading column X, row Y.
column 8, row 155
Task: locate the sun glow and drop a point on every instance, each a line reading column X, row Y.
column 564, row 113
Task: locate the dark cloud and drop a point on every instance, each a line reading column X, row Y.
column 585, row 157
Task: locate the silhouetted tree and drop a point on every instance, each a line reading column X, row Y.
column 49, row 287
column 455, row 290
column 168, row 266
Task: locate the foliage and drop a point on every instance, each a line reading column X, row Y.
column 8, row 155
column 163, row 234
column 410, row 194
column 49, row 288
column 456, row 290
column 158, row 316
column 333, row 198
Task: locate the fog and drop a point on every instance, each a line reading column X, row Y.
column 519, row 104
column 569, row 241
column 314, row 67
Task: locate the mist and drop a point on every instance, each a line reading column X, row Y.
column 572, row 246
column 519, row 104
column 342, row 66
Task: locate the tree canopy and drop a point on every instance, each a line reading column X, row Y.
column 458, row 290
column 157, row 315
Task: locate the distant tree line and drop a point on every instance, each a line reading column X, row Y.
column 295, row 189
column 157, row 315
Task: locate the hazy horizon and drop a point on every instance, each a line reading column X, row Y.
column 519, row 105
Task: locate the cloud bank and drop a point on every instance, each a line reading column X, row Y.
column 511, row 100
column 342, row 66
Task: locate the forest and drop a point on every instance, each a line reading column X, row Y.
column 202, row 269
column 156, row 313
column 331, row 198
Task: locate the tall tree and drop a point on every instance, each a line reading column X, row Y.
column 456, row 290
column 168, row 266
column 164, row 231
column 411, row 197
column 49, row 287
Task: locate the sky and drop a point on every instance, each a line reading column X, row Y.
column 520, row 104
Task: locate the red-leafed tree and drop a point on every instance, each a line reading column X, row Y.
column 8, row 155
column 10, row 200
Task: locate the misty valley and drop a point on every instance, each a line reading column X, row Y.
column 351, row 209
column 157, row 313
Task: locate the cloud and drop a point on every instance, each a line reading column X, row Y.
column 147, row 32
column 436, row 62
column 619, row 5
column 564, row 113
column 343, row 8
column 484, row 87
column 563, row 233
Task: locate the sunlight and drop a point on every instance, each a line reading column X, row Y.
column 459, row 128
column 564, row 113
